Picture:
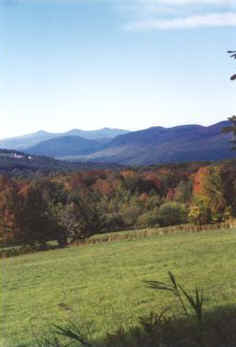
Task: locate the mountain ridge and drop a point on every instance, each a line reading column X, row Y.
column 154, row 145
column 26, row 141
column 161, row 145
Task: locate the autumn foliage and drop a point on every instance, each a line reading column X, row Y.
column 73, row 206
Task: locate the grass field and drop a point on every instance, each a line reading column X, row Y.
column 102, row 285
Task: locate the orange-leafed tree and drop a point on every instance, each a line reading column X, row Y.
column 209, row 202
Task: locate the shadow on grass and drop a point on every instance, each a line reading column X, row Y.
column 192, row 327
column 218, row 329
column 164, row 329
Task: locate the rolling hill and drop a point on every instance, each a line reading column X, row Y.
column 66, row 146
column 19, row 163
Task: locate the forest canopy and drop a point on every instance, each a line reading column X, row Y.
column 69, row 207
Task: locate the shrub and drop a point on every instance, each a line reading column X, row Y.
column 172, row 213
column 148, row 219
column 113, row 222
column 130, row 215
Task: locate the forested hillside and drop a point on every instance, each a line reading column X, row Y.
column 72, row 206
column 22, row 164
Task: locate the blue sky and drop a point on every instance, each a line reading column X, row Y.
column 112, row 63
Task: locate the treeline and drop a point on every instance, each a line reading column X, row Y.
column 73, row 206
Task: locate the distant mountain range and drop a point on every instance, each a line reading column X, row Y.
column 165, row 145
column 145, row 147
column 26, row 141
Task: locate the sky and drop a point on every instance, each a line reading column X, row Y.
column 128, row 64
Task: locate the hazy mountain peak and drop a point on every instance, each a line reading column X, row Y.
column 26, row 141
column 73, row 132
column 40, row 132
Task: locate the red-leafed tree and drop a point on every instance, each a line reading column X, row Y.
column 30, row 214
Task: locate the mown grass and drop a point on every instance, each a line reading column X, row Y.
column 102, row 285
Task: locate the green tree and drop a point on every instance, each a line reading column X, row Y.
column 183, row 191
column 214, row 194
column 86, row 217
column 58, row 208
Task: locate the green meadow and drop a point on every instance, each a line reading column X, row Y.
column 102, row 286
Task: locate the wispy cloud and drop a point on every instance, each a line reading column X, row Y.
column 178, row 14
column 164, row 14
column 196, row 21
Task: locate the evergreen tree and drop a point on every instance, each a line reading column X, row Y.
column 232, row 128
column 233, row 55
